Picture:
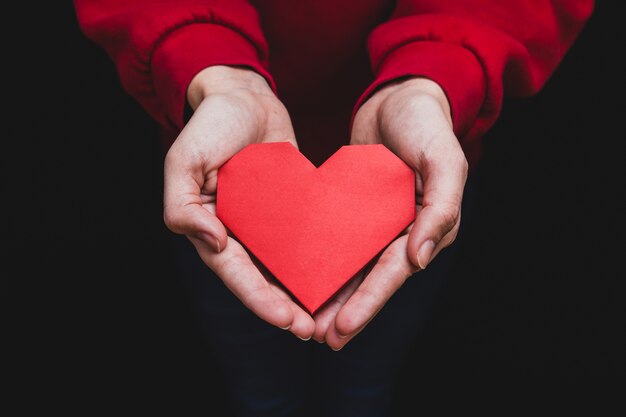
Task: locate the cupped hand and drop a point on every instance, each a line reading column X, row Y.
column 412, row 118
column 233, row 107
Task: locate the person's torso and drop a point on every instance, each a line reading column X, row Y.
column 318, row 58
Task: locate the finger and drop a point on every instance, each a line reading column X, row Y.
column 303, row 324
column 243, row 279
column 447, row 240
column 326, row 315
column 183, row 210
column 387, row 275
column 443, row 183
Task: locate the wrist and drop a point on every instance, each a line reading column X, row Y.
column 221, row 79
column 416, row 85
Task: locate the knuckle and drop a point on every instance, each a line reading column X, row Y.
column 171, row 220
column 366, row 293
column 348, row 323
column 386, row 259
column 448, row 215
column 450, row 237
column 230, row 265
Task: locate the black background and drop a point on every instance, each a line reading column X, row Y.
column 100, row 316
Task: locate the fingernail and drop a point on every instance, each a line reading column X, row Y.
column 211, row 241
column 303, row 339
column 424, row 253
column 336, row 349
column 342, row 336
column 319, row 341
column 285, row 328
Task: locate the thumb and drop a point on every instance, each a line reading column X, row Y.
column 183, row 210
column 443, row 177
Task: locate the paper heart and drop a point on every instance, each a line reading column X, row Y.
column 315, row 228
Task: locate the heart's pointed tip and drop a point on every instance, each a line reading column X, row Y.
column 309, row 301
column 304, row 300
column 315, row 301
column 312, row 308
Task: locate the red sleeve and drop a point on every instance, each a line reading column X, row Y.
column 478, row 51
column 158, row 46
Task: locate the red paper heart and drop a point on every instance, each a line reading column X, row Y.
column 315, row 228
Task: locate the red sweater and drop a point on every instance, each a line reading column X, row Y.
column 324, row 57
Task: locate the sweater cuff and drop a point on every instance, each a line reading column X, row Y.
column 454, row 68
column 190, row 49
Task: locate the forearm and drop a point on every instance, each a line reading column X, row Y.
column 478, row 51
column 158, row 47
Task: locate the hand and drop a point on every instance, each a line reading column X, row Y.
column 412, row 118
column 233, row 107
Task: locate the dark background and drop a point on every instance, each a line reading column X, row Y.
column 99, row 314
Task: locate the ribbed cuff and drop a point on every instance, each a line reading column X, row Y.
column 190, row 49
column 453, row 67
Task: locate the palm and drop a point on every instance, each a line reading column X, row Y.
column 227, row 123
column 412, row 119
column 221, row 126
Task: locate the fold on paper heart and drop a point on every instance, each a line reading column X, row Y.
column 315, row 228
